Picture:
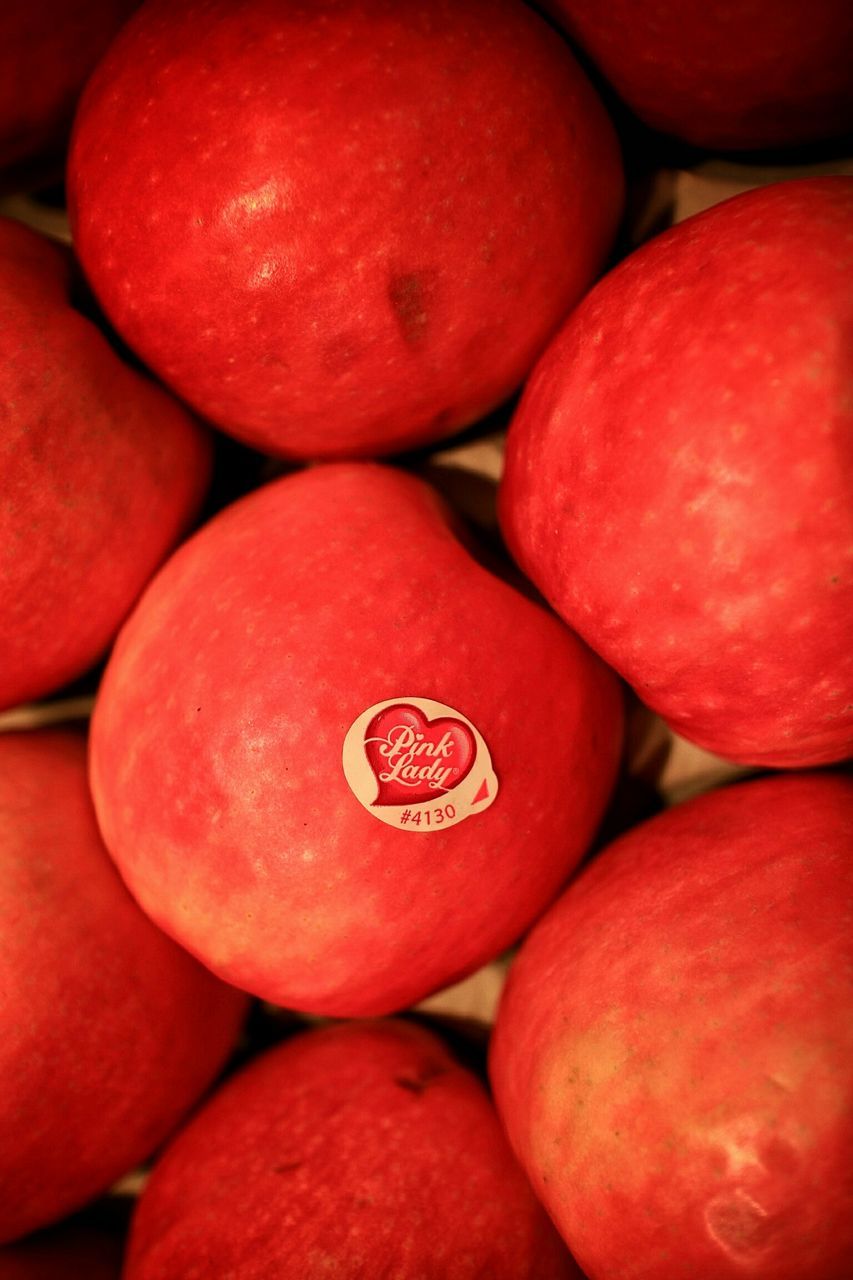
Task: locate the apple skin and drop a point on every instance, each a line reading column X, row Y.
column 678, row 474
column 732, row 75
column 341, row 229
column 47, row 51
column 673, row 1055
column 357, row 1150
column 100, row 473
column 108, row 1031
column 71, row 1251
column 216, row 762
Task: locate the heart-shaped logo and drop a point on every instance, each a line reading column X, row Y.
column 414, row 758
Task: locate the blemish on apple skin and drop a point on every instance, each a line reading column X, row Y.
column 420, row 1081
column 413, row 1086
column 739, row 1225
column 443, row 419
column 408, row 294
column 290, row 1167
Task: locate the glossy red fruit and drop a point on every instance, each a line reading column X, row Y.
column 47, row 51
column 341, row 228
column 108, row 1031
column 678, row 478
column 728, row 75
column 358, row 1150
column 268, row 642
column 100, row 473
column 673, row 1057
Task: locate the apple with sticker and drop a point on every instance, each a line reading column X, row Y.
column 278, row 790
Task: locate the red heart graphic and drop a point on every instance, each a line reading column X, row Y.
column 416, row 759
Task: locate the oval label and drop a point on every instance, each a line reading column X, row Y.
column 418, row 764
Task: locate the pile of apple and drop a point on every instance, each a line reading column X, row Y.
column 340, row 756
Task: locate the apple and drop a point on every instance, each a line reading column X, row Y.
column 673, row 1055
column 100, row 473
column 74, row 1250
column 678, row 474
column 728, row 76
column 358, row 1150
column 341, row 229
column 108, row 1031
column 335, row 758
column 47, row 51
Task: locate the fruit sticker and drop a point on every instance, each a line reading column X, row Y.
column 418, row 764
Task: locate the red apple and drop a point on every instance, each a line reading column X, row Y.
column 359, row 1150
column 338, row 760
column 673, row 1056
column 108, row 1031
column 47, row 51
column 100, row 472
column 341, row 229
column 678, row 474
column 71, row 1251
column 731, row 74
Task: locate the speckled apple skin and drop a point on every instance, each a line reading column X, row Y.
column 730, row 75
column 359, row 1150
column 678, row 477
column 100, row 473
column 216, row 754
column 108, row 1031
column 341, row 228
column 673, row 1056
